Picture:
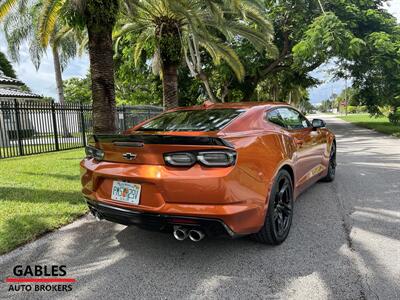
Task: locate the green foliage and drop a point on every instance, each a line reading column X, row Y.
column 355, row 109
column 195, row 30
column 100, row 14
column 325, row 38
column 78, row 90
column 6, row 66
column 135, row 82
column 365, row 41
column 394, row 117
column 326, row 106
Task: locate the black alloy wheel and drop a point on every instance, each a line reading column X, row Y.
column 283, row 207
column 332, row 165
column 280, row 211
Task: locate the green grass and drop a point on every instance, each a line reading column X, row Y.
column 38, row 194
column 33, row 149
column 380, row 124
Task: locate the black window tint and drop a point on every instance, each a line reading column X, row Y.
column 192, row 120
column 275, row 117
column 293, row 119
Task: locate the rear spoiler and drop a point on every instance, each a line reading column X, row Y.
column 141, row 139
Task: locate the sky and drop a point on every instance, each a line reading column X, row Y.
column 43, row 82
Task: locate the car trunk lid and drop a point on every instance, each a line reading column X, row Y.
column 149, row 148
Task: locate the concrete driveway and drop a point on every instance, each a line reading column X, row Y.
column 344, row 244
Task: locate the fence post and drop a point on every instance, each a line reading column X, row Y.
column 124, row 116
column 83, row 125
column 53, row 114
column 18, row 125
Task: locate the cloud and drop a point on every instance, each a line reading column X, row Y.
column 43, row 81
column 394, row 8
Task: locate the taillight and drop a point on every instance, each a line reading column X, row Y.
column 220, row 158
column 92, row 152
column 217, row 158
column 181, row 159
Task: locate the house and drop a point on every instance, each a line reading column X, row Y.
column 11, row 88
column 12, row 92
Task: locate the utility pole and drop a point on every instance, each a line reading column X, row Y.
column 345, row 96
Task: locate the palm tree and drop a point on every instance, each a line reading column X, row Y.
column 21, row 25
column 99, row 17
column 182, row 28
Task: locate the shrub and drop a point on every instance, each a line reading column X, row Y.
column 362, row 109
column 394, row 117
column 351, row 109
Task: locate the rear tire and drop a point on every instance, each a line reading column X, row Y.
column 332, row 165
column 278, row 219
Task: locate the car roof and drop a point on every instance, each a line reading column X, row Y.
column 233, row 105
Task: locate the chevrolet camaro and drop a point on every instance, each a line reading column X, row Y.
column 217, row 169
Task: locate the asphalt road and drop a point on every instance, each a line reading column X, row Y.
column 344, row 244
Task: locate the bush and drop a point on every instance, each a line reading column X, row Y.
column 351, row 109
column 394, row 117
column 362, row 109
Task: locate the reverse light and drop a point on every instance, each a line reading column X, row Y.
column 92, row 152
column 221, row 158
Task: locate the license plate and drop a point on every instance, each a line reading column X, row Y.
column 126, row 192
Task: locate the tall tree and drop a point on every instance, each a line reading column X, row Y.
column 364, row 39
column 180, row 28
column 21, row 24
column 98, row 17
column 6, row 67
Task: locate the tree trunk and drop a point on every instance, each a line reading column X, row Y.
column 170, row 85
column 203, row 77
column 60, row 89
column 102, row 74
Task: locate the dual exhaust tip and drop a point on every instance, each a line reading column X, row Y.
column 181, row 233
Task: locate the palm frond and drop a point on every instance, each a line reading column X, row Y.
column 48, row 19
column 67, row 48
column 36, row 52
column 17, row 26
column 6, row 7
column 258, row 39
column 63, row 33
column 140, row 44
column 220, row 51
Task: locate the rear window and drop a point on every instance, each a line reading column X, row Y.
column 192, row 120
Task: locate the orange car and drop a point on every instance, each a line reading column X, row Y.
column 218, row 169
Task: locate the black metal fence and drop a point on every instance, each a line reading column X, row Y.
column 33, row 127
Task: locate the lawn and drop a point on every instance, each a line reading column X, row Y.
column 380, row 124
column 13, row 151
column 38, row 194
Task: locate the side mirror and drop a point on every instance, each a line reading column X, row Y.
column 318, row 123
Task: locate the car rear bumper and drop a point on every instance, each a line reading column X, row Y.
column 159, row 222
column 220, row 198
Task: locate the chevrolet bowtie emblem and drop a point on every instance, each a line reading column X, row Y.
column 129, row 156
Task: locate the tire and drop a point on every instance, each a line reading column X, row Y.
column 278, row 219
column 332, row 165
